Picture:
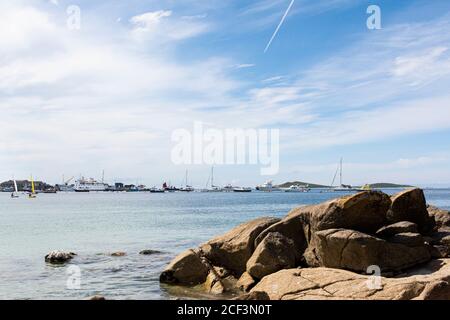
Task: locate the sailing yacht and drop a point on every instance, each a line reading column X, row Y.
column 32, row 195
column 212, row 187
column 342, row 187
column 186, row 188
column 15, row 194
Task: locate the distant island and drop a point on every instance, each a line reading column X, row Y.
column 381, row 185
column 389, row 185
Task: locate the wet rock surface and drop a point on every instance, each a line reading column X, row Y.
column 59, row 257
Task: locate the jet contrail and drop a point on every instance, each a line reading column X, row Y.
column 279, row 26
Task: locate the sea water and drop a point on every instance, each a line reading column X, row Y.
column 94, row 225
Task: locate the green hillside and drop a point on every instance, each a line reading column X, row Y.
column 300, row 183
column 389, row 185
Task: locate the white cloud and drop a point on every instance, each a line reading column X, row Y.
column 245, row 66
column 93, row 99
column 81, row 101
column 158, row 24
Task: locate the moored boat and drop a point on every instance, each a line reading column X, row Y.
column 297, row 188
column 157, row 190
column 267, row 187
column 89, row 185
column 342, row 187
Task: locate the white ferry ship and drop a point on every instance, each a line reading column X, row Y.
column 89, row 185
column 268, row 187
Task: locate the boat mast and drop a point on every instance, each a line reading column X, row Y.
column 212, row 177
column 340, row 177
column 335, row 175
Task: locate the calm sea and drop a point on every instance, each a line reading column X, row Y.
column 96, row 224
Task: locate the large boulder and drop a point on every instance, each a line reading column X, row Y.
column 275, row 252
column 442, row 217
column 188, row 268
column 410, row 205
column 428, row 282
column 291, row 227
column 356, row 251
column 409, row 239
column 233, row 249
column 364, row 211
column 396, row 228
column 245, row 282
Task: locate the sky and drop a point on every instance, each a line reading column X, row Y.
column 110, row 95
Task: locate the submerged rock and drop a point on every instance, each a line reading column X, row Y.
column 149, row 252
column 58, row 257
column 118, row 254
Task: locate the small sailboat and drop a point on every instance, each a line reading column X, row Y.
column 15, row 194
column 186, row 188
column 342, row 187
column 32, row 195
column 212, row 187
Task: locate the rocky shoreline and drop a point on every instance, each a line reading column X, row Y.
column 363, row 246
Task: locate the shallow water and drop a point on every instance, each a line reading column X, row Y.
column 96, row 224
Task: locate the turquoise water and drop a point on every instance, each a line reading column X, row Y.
column 96, row 224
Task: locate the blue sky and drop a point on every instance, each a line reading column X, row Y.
column 109, row 95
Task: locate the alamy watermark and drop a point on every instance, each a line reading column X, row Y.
column 374, row 20
column 374, row 281
column 73, row 17
column 74, row 280
column 212, row 146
